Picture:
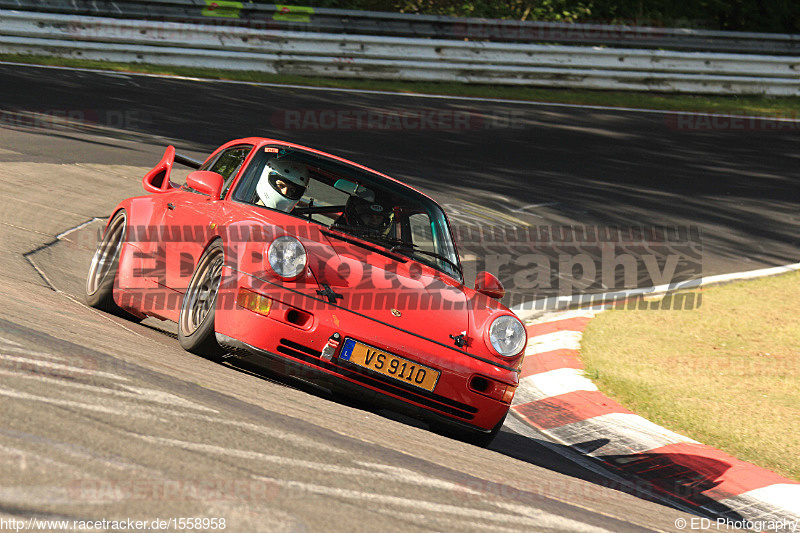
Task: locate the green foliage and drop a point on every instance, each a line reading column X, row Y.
column 782, row 16
column 552, row 10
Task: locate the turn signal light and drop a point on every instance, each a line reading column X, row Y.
column 258, row 303
column 493, row 389
column 508, row 395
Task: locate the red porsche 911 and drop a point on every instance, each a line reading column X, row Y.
column 320, row 269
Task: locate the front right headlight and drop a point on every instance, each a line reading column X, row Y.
column 507, row 335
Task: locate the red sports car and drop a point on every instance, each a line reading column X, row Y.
column 320, row 269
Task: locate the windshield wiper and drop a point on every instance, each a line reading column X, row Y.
column 417, row 250
column 391, row 254
column 392, row 245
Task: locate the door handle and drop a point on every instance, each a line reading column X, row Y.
column 170, row 206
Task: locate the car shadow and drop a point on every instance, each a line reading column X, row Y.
column 659, row 478
column 670, row 479
column 684, row 476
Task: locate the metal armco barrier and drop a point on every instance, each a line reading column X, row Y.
column 322, row 20
column 225, row 46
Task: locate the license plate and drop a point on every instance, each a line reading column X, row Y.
column 389, row 364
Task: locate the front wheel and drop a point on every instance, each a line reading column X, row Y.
column 196, row 321
column 476, row 438
column 483, row 440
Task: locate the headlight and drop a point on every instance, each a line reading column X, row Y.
column 507, row 335
column 287, row 257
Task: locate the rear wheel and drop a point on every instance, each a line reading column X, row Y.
column 103, row 268
column 196, row 322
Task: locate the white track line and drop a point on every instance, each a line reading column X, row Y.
column 765, row 502
column 626, row 434
column 10, row 393
column 552, row 383
column 533, row 518
column 9, row 342
column 76, row 228
column 124, row 410
column 272, row 433
column 557, row 340
column 131, row 392
column 394, row 474
column 563, row 315
column 26, row 362
column 436, row 522
column 30, row 353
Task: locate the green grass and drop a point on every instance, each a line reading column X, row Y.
column 726, row 374
column 740, row 105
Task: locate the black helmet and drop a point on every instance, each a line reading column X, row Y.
column 372, row 216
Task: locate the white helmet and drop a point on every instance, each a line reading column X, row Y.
column 282, row 184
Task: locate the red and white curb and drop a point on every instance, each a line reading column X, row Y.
column 556, row 398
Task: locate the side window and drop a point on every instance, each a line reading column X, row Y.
column 431, row 245
column 228, row 163
column 421, row 231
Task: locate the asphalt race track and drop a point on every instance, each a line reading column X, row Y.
column 105, row 419
column 102, row 418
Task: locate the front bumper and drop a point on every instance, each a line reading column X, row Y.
column 336, row 379
column 294, row 348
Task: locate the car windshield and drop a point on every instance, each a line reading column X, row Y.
column 352, row 202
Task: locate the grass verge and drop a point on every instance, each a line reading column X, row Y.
column 787, row 107
column 726, row 374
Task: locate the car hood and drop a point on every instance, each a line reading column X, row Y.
column 391, row 288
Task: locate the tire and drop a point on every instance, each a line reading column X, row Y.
column 480, row 439
column 483, row 440
column 196, row 321
column 103, row 268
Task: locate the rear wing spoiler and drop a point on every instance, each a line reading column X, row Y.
column 157, row 179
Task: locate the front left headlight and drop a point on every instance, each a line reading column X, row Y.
column 507, row 335
column 287, row 257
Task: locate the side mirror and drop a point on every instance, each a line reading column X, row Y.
column 206, row 182
column 489, row 285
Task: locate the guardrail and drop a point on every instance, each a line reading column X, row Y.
column 362, row 56
column 322, row 20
